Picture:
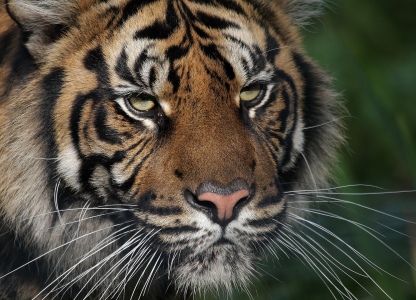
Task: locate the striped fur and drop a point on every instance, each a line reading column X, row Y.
column 102, row 197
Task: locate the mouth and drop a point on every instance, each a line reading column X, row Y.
column 223, row 242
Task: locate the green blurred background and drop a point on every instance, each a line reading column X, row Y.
column 369, row 47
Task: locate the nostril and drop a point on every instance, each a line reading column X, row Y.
column 224, row 203
column 241, row 203
column 207, row 207
column 220, row 202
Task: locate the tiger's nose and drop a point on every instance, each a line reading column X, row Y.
column 224, row 203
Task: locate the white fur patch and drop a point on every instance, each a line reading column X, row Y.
column 69, row 165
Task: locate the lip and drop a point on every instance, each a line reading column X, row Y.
column 223, row 241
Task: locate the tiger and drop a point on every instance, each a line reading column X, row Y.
column 149, row 148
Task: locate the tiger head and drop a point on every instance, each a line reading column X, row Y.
column 171, row 133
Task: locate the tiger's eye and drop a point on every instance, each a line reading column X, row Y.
column 250, row 92
column 142, row 102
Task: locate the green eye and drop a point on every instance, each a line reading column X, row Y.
column 250, row 92
column 142, row 102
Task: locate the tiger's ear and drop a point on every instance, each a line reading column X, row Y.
column 42, row 21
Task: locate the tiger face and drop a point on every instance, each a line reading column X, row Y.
column 170, row 134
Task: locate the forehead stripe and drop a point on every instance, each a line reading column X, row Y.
column 215, row 22
column 132, row 8
column 160, row 30
column 122, row 69
column 229, row 5
column 94, row 61
column 212, row 52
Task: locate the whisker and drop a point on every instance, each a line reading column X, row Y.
column 337, row 188
column 55, row 199
column 105, row 207
column 302, row 221
column 143, row 272
column 330, row 258
column 353, row 194
column 326, row 123
column 310, row 171
column 332, row 199
column 75, row 234
column 324, row 261
column 94, row 250
column 132, row 269
column 293, row 246
column 60, row 246
column 368, row 231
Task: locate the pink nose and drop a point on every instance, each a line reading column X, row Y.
column 224, row 203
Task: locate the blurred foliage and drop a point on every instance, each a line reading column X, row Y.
column 370, row 49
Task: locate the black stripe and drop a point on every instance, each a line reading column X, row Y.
column 127, row 185
column 122, row 69
column 273, row 150
column 283, row 76
column 228, row 4
column 273, row 47
column 152, row 77
column 139, row 64
column 162, row 211
column 160, row 30
column 144, row 204
column 291, row 103
column 156, row 31
column 52, row 85
column 112, row 12
column 174, row 78
column 313, row 108
column 201, row 32
column 178, row 230
column 231, row 5
column 90, row 163
column 214, row 22
column 75, row 119
column 132, row 8
column 137, row 153
column 237, row 41
column 277, row 135
column 212, row 52
column 76, row 112
column 289, row 137
column 276, row 220
column 272, row 98
column 205, row 2
column 272, row 200
column 174, row 53
column 284, row 113
column 6, row 40
column 94, row 61
column 186, row 13
column 104, row 131
column 258, row 59
column 314, row 113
